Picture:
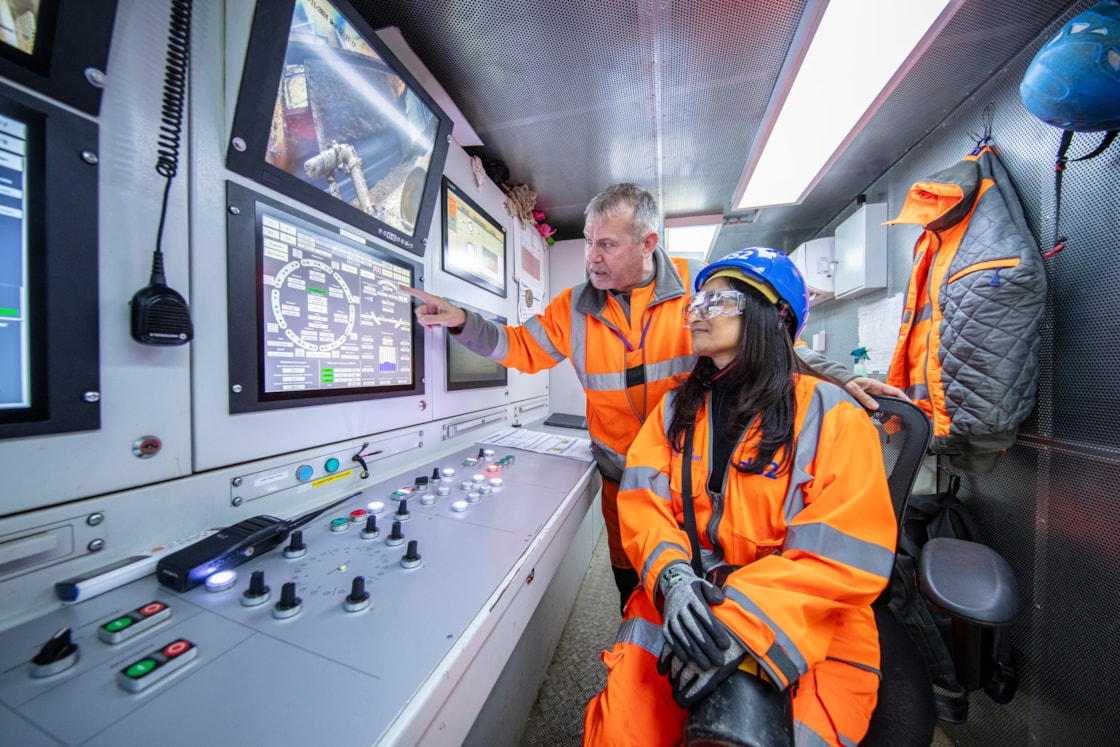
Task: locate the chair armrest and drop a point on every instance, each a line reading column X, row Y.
column 968, row 580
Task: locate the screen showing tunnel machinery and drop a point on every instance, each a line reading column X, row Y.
column 330, row 323
column 327, row 115
column 49, row 369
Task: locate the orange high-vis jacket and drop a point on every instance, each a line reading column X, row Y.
column 968, row 348
column 814, row 543
column 624, row 364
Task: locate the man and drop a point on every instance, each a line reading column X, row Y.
column 623, row 332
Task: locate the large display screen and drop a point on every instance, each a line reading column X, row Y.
column 474, row 244
column 58, row 47
column 331, row 321
column 49, row 370
column 347, row 130
column 469, row 370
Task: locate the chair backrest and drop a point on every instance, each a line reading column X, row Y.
column 905, row 432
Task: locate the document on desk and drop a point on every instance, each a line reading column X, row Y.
column 542, row 443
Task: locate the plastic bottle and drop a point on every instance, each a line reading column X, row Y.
column 860, row 355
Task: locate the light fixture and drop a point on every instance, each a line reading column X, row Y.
column 846, row 58
column 691, row 237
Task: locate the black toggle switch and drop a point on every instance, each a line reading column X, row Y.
column 421, row 482
column 289, row 603
column 371, row 531
column 57, row 655
column 358, row 598
column 411, row 558
column 435, row 475
column 258, row 591
column 402, row 513
column 295, row 548
column 396, row 537
column 482, row 454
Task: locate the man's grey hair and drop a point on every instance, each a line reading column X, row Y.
column 619, row 197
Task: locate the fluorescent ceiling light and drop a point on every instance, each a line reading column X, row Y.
column 846, row 59
column 691, row 237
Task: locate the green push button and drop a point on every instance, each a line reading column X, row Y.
column 331, row 465
column 140, row 668
column 119, row 624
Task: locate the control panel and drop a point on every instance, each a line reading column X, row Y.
column 325, row 639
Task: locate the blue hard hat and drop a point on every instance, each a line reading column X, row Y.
column 770, row 272
column 1074, row 80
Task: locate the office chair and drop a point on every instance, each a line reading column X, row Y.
column 967, row 580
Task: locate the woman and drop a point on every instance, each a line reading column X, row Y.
column 795, row 527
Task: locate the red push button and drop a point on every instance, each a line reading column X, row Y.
column 174, row 649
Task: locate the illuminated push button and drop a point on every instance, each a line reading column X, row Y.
column 296, row 547
column 427, row 499
column 478, row 479
column 134, row 623
column 484, row 489
column 157, row 665
column 443, row 490
column 304, row 472
column 258, row 592
column 493, row 469
column 358, row 515
column 340, row 524
column 447, row 472
column 375, row 507
column 474, row 497
column 487, row 453
column 331, row 465
column 470, row 462
column 459, row 506
column 467, row 485
column 221, row 581
column 289, row 604
column 496, row 482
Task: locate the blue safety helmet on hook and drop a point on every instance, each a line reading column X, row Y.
column 1073, row 82
column 772, row 274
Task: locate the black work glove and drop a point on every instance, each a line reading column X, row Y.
column 692, row 684
column 688, row 623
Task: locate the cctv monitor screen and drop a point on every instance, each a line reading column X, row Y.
column 328, row 116
column 330, row 323
column 468, row 370
column 49, row 369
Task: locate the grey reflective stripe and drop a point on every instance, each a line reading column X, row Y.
column 917, row 392
column 829, row 542
column 655, row 372
column 905, row 316
column 642, row 633
column 667, row 412
column 784, row 653
column 579, row 341
column 825, row 398
column 661, row 548
column 847, row 741
column 501, row 349
column 925, row 312
column 646, row 478
column 536, row 331
column 804, row 736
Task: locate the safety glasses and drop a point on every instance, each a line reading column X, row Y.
column 711, row 303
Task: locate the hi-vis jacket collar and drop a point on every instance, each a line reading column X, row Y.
column 943, row 199
column 667, row 284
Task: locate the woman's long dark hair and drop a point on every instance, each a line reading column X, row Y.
column 759, row 380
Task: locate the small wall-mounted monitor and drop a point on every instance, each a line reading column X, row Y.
column 52, row 46
column 49, row 370
column 316, row 314
column 328, row 116
column 474, row 243
column 468, row 370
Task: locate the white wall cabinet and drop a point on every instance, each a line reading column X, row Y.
column 815, row 261
column 861, row 252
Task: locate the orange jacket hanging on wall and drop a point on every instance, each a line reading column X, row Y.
column 968, row 348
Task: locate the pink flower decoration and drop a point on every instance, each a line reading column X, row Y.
column 545, row 230
column 538, row 215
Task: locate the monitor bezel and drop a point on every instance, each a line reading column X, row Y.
column 72, row 37
column 449, row 187
column 268, row 44
column 460, row 386
column 245, row 310
column 65, row 350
